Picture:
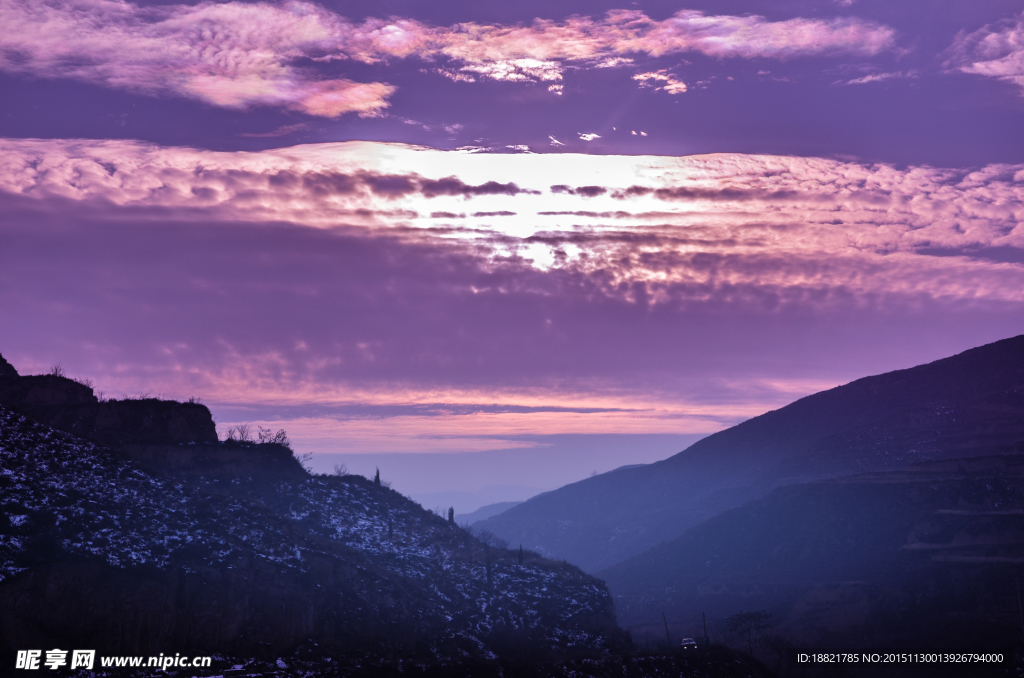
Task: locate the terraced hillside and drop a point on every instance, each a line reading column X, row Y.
column 923, row 557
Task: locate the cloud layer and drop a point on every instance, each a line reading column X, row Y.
column 232, row 54
column 995, row 51
column 236, row 54
column 680, row 227
column 439, row 300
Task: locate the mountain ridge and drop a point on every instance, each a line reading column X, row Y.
column 968, row 404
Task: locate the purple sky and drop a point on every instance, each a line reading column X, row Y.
column 492, row 236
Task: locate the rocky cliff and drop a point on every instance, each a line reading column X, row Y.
column 71, row 406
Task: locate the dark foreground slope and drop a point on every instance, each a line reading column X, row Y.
column 925, row 557
column 971, row 404
column 259, row 559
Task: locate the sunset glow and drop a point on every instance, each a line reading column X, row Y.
column 444, row 231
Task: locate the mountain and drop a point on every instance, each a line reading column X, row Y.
column 234, row 549
column 923, row 557
column 484, row 512
column 971, row 404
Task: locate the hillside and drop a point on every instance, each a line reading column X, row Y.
column 971, row 404
column 200, row 549
column 925, row 557
column 484, row 512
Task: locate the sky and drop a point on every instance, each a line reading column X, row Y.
column 493, row 248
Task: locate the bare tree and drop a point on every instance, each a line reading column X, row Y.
column 266, row 436
column 778, row 645
column 340, row 470
column 241, row 433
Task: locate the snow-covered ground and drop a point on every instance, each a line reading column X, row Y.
column 65, row 498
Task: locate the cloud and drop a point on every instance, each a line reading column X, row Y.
column 237, row 54
column 995, row 51
column 606, row 42
column 614, row 62
column 671, row 84
column 231, row 55
column 509, row 70
column 585, row 191
column 879, row 77
column 588, row 136
column 267, row 185
column 331, row 98
column 281, row 131
column 708, row 193
column 586, row 213
column 333, row 184
column 727, row 226
column 455, row 186
column 516, row 70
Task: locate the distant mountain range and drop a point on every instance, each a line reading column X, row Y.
column 484, row 512
column 971, row 404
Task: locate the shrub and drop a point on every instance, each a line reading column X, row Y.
column 240, row 434
column 264, row 435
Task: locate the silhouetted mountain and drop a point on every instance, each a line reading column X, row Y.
column 971, row 404
column 924, row 557
column 233, row 549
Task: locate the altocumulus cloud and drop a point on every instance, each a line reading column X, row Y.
column 231, row 54
column 236, row 54
column 996, row 51
column 719, row 226
column 238, row 185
